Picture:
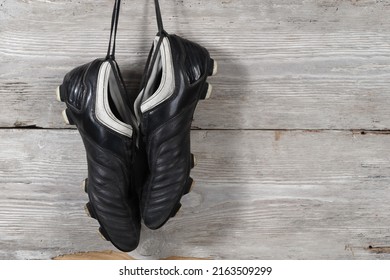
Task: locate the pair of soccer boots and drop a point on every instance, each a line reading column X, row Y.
column 137, row 147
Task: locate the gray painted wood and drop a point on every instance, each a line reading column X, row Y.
column 261, row 192
column 258, row 195
column 283, row 64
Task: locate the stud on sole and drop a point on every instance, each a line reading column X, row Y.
column 87, row 211
column 58, row 94
column 66, row 118
column 207, row 90
column 84, row 185
column 194, row 161
column 215, row 68
column 176, row 210
column 190, row 186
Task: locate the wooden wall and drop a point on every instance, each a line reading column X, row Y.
column 293, row 147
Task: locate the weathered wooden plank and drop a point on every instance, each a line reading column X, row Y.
column 283, row 64
column 258, row 195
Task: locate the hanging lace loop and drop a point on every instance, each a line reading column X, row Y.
column 160, row 25
column 114, row 27
column 152, row 59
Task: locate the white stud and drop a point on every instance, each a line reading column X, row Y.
column 195, row 160
column 84, row 184
column 65, row 117
column 192, row 186
column 58, row 94
column 209, row 91
column 215, row 68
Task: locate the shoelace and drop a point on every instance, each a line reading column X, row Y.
column 151, row 60
column 128, row 118
column 149, row 64
column 112, row 43
column 114, row 27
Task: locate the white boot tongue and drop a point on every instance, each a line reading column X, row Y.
column 106, row 85
column 166, row 87
column 156, row 68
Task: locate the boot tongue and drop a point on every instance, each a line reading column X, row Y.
column 117, row 104
column 160, row 84
column 155, row 76
column 152, row 83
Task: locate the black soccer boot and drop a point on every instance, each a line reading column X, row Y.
column 97, row 103
column 174, row 81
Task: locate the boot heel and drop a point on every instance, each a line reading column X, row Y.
column 207, row 90
column 59, row 94
column 213, row 67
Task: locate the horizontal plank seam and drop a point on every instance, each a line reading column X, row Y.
column 353, row 130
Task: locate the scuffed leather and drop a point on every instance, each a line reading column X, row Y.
column 111, row 180
column 166, row 130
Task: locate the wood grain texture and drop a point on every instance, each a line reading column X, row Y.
column 258, row 195
column 104, row 255
column 109, row 255
column 283, row 64
column 284, row 171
